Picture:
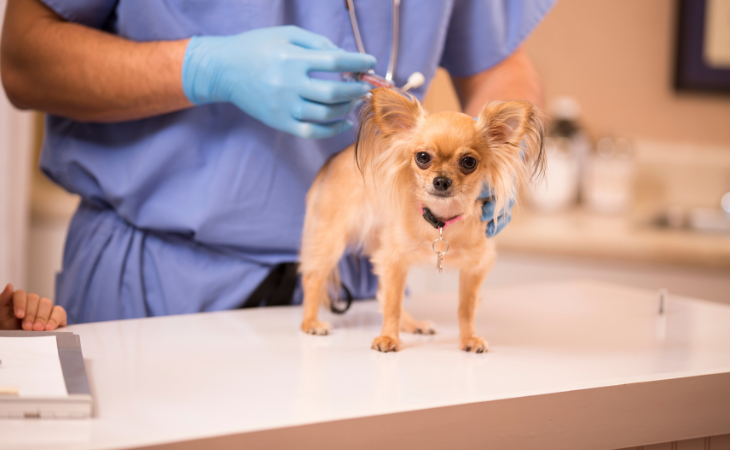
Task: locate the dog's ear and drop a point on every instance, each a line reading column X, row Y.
column 394, row 112
column 385, row 114
column 517, row 129
column 514, row 133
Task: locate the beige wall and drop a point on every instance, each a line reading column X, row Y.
column 616, row 57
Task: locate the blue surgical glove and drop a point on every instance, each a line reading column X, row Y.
column 265, row 73
column 488, row 212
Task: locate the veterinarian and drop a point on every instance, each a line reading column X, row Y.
column 192, row 156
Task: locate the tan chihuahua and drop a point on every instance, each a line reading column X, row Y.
column 407, row 192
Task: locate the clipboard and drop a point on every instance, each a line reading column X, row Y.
column 79, row 402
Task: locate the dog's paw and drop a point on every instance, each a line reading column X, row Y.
column 417, row 327
column 316, row 327
column 410, row 325
column 474, row 343
column 385, row 344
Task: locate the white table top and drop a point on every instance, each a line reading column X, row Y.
column 178, row 378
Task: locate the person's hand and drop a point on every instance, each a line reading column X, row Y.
column 503, row 218
column 265, row 73
column 29, row 312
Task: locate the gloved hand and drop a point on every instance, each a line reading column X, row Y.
column 488, row 212
column 265, row 73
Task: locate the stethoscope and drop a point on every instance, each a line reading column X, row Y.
column 414, row 81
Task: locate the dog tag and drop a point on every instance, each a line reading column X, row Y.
column 440, row 246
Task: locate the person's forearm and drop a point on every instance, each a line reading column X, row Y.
column 78, row 72
column 515, row 78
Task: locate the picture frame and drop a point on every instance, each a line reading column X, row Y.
column 702, row 58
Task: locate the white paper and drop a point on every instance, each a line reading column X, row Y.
column 32, row 365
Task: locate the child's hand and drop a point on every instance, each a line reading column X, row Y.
column 29, row 312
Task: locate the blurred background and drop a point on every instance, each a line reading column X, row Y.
column 638, row 159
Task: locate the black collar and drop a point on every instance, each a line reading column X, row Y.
column 433, row 220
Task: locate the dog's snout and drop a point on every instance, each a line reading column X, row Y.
column 442, row 183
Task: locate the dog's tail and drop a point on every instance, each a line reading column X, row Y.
column 339, row 298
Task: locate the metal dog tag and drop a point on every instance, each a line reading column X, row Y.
column 443, row 248
column 440, row 261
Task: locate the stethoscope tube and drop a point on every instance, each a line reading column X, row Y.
column 394, row 41
column 355, row 29
column 416, row 79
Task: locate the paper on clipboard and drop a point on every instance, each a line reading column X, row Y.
column 32, row 365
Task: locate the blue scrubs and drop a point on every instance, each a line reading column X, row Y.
column 188, row 211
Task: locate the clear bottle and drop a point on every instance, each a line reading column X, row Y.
column 608, row 185
column 566, row 123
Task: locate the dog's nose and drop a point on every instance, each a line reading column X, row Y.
column 442, row 183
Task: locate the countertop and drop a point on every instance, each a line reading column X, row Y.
column 621, row 238
column 563, row 357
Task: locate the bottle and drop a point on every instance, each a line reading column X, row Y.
column 609, row 178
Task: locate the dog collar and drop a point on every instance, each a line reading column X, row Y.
column 433, row 220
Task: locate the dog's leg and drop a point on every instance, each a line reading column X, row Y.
column 470, row 282
column 407, row 323
column 393, row 284
column 321, row 264
column 314, row 285
column 324, row 242
column 410, row 325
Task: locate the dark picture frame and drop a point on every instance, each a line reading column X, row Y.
column 691, row 70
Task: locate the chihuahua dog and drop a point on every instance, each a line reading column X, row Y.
column 408, row 192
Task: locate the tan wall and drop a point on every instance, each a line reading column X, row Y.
column 616, row 57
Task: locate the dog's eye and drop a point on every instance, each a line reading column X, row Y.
column 468, row 163
column 423, row 158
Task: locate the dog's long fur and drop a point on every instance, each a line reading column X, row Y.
column 368, row 197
